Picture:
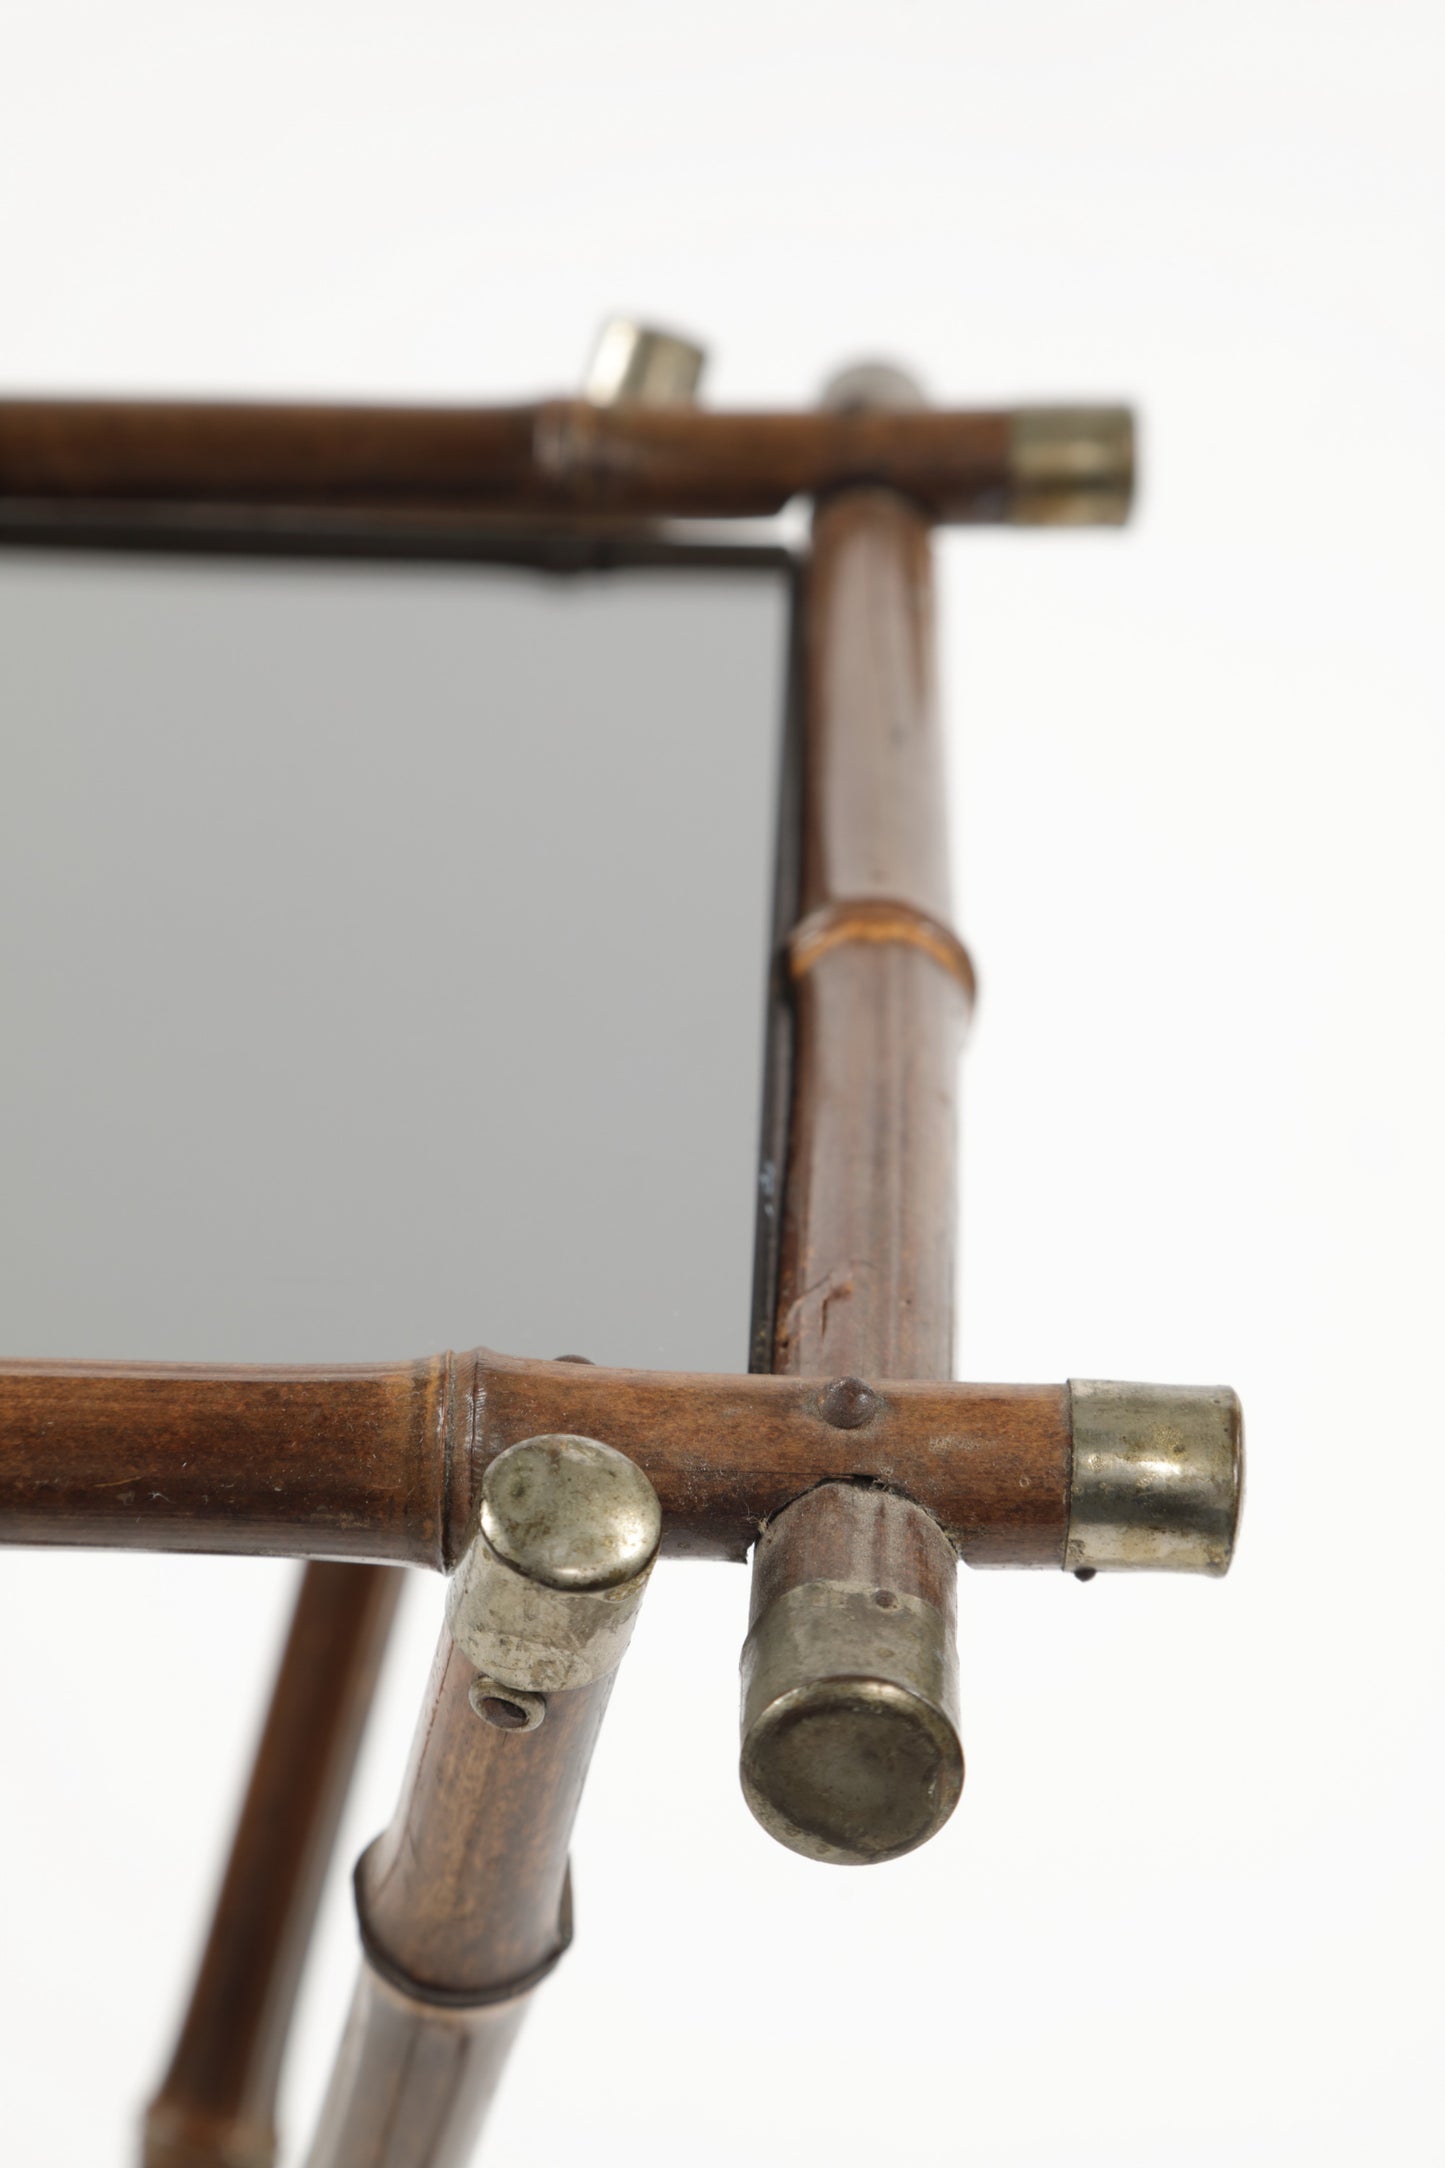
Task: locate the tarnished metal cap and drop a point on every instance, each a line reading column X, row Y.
column 866, row 386
column 1071, row 466
column 1158, row 1476
column 637, row 365
column 850, row 1749
column 547, row 1591
column 570, row 1513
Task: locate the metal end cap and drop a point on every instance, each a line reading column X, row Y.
column 1158, row 1478
column 872, row 386
column 1071, row 466
column 547, row 1591
column 850, row 1750
column 570, row 1513
column 852, row 1771
column 637, row 365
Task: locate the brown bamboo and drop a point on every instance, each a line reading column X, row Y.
column 558, row 456
column 881, row 985
column 301, row 1462
column 881, row 990
column 413, row 2081
column 464, row 1908
column 216, row 2106
column 382, row 1462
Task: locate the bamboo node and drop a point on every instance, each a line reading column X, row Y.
column 878, row 919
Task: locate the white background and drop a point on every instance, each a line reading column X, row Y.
column 1190, row 1907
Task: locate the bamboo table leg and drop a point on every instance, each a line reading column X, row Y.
column 861, row 1495
column 464, row 1903
column 849, row 1664
column 216, row 2106
column 464, row 1908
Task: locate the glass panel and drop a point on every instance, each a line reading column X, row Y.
column 383, row 970
column 386, row 958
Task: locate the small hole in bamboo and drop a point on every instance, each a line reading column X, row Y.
column 506, row 1715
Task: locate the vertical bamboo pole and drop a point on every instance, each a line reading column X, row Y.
column 216, row 2106
column 880, row 992
column 880, row 983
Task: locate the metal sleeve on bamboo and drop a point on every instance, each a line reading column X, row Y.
column 1157, row 1477
column 542, row 1605
column 547, row 1593
column 850, row 1689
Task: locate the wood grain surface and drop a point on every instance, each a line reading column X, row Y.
column 560, row 455
column 881, row 986
column 216, row 2106
column 413, row 2081
column 382, row 1463
column 464, row 1906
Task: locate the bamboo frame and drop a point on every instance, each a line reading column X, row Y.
column 381, row 1465
column 561, row 457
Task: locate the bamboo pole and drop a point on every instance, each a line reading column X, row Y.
column 881, row 985
column 464, row 1909
column 216, row 2106
column 566, row 456
column 384, row 1462
column 464, row 1902
column 849, row 1668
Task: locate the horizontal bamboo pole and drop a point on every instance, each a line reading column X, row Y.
column 1072, row 465
column 298, row 1463
column 382, row 1462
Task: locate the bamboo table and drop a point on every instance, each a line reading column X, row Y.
column 847, row 1464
